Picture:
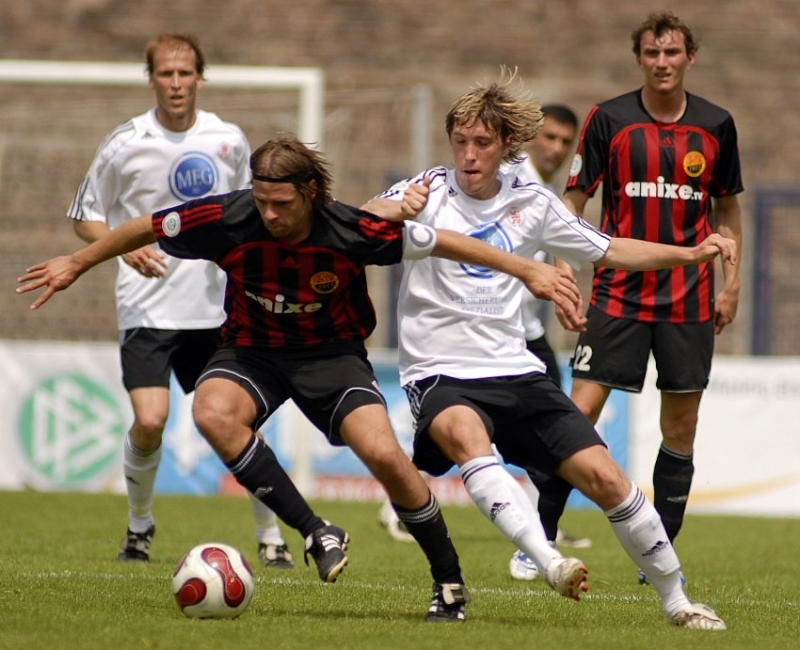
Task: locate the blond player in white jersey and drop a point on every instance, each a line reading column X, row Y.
column 168, row 311
column 463, row 362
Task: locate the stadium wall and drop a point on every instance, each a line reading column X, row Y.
column 64, row 413
column 373, row 54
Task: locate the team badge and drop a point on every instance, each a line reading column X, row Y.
column 516, row 217
column 694, row 163
column 324, row 282
column 171, row 224
column 576, row 166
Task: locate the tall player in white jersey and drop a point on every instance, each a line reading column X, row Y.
column 168, row 310
column 463, row 362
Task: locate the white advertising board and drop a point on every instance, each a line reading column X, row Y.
column 747, row 449
column 64, row 414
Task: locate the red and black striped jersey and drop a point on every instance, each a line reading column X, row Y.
column 292, row 297
column 658, row 183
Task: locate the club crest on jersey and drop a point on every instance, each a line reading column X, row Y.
column 694, row 164
column 577, row 165
column 515, row 216
column 225, row 151
column 494, row 235
column 324, row 282
column 193, row 175
column 171, row 224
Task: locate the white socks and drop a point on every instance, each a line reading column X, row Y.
column 503, row 501
column 140, row 476
column 267, row 531
column 639, row 529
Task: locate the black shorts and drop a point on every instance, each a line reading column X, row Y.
column 541, row 348
column 615, row 351
column 325, row 389
column 533, row 424
column 148, row 355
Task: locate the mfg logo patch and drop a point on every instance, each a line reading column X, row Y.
column 193, row 175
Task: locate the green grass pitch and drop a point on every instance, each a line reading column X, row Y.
column 61, row 586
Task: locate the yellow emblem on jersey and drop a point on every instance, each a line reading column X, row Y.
column 694, row 163
column 324, row 282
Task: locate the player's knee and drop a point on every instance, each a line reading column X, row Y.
column 680, row 431
column 147, row 429
column 212, row 416
column 596, row 474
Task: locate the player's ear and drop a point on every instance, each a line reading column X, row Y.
column 313, row 189
column 507, row 145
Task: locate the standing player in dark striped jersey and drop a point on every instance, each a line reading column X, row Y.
column 669, row 165
column 297, row 314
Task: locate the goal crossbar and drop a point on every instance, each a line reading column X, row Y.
column 308, row 82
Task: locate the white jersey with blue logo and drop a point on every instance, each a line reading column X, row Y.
column 142, row 167
column 464, row 321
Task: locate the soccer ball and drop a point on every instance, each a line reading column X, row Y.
column 213, row 581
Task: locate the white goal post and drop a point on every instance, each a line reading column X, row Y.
column 308, row 82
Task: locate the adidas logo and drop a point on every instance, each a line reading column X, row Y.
column 262, row 492
column 680, row 499
column 497, row 508
column 657, row 548
column 329, row 542
column 667, row 141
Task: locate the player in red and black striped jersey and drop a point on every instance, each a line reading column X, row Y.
column 669, row 165
column 659, row 184
column 297, row 313
column 282, row 296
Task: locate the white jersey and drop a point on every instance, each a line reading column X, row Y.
column 142, row 167
column 531, row 306
column 464, row 321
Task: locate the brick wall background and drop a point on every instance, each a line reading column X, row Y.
column 372, row 52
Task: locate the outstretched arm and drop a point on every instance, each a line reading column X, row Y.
column 639, row 255
column 544, row 281
column 60, row 272
column 146, row 260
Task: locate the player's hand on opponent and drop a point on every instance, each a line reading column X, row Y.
column 572, row 321
column 713, row 245
column 547, row 282
column 148, row 261
column 55, row 275
column 415, row 198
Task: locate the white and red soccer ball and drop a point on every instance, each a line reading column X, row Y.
column 213, row 581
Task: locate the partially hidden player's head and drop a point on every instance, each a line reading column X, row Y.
column 553, row 143
column 488, row 125
column 291, row 182
column 175, row 66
